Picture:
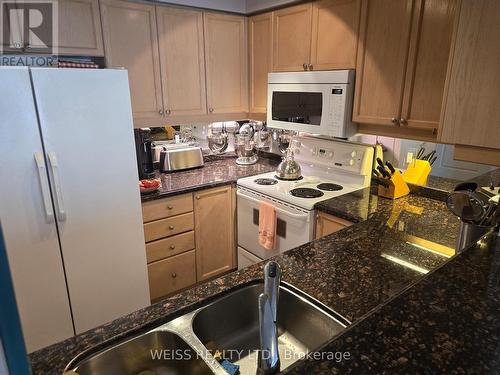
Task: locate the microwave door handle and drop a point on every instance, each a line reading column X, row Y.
column 297, row 216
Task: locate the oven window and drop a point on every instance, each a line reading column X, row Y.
column 301, row 107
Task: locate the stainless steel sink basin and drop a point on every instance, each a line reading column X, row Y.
column 230, row 324
column 134, row 357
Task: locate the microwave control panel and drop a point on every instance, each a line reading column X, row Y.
column 337, row 104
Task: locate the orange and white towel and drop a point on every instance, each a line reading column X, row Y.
column 267, row 226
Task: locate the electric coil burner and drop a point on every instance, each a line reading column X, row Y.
column 289, row 179
column 329, row 187
column 265, row 181
column 306, row 193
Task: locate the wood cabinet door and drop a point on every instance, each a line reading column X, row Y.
column 214, row 232
column 226, row 63
column 80, row 28
column 292, row 37
column 381, row 62
column 327, row 224
column 335, row 26
column 260, row 39
column 171, row 274
column 427, row 63
column 182, row 60
column 131, row 41
column 471, row 113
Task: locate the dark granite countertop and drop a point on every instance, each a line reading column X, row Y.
column 217, row 171
column 413, row 311
column 448, row 323
column 352, row 271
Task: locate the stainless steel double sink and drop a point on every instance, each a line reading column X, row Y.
column 228, row 325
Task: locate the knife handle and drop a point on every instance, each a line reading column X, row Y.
column 380, row 162
column 383, row 172
column 391, row 168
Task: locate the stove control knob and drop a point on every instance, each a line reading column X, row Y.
column 351, row 162
column 353, row 154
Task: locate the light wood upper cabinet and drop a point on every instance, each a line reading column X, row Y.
column 260, row 39
column 226, row 63
column 80, row 28
column 381, row 65
column 402, row 65
column 292, row 37
column 182, row 60
column 214, row 232
column 427, row 63
column 130, row 41
column 471, row 113
column 335, row 26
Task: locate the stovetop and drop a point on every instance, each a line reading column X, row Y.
column 330, row 168
column 291, row 191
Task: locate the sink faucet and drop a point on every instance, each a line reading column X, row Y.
column 268, row 361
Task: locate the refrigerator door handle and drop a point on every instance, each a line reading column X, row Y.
column 44, row 186
column 61, row 214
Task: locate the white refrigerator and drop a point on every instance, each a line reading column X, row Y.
column 69, row 200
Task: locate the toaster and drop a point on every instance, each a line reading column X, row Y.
column 179, row 158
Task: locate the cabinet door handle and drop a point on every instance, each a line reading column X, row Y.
column 174, row 275
column 160, row 112
column 172, row 247
column 210, row 110
column 310, row 67
column 168, row 111
column 170, row 207
column 171, row 227
column 395, row 121
column 44, row 186
column 304, row 66
column 403, row 121
column 61, row 213
column 198, row 197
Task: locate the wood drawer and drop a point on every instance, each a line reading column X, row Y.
column 169, row 246
column 168, row 227
column 169, row 275
column 167, row 207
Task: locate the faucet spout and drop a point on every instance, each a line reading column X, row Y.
column 268, row 361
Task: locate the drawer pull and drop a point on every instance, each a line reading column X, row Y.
column 172, row 247
column 198, row 197
column 170, row 207
column 171, row 227
column 174, row 275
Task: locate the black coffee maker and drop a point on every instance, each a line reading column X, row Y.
column 144, row 152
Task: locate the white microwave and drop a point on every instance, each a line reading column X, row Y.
column 312, row 102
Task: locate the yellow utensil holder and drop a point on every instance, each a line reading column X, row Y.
column 417, row 172
column 397, row 187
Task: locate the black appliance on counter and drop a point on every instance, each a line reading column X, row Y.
column 144, row 152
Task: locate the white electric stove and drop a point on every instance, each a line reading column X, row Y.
column 330, row 168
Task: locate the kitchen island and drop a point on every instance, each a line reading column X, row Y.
column 412, row 309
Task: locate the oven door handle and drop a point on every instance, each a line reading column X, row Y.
column 297, row 216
